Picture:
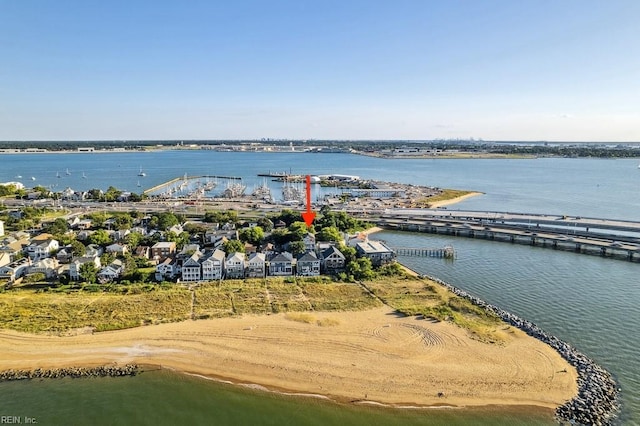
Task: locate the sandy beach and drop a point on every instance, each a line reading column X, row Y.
column 443, row 203
column 371, row 355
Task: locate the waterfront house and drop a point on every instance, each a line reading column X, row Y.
column 234, row 265
column 48, row 267
column 256, row 265
column 166, row 270
column 213, row 265
column 332, row 259
column 111, row 272
column 376, row 251
column 163, row 249
column 281, row 264
column 15, row 269
column 308, row 265
column 190, row 269
column 76, row 264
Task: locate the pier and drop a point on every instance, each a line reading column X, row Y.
column 596, row 236
column 170, row 183
column 446, row 252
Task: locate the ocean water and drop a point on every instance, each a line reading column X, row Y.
column 590, row 302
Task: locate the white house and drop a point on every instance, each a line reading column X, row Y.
column 234, row 265
column 166, row 269
column 213, row 265
column 191, row 269
column 15, row 269
column 256, row 265
column 111, row 272
column 48, row 267
column 42, row 249
column 77, row 262
column 118, row 249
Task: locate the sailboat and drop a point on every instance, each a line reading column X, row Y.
column 68, row 173
column 139, row 183
column 84, row 176
column 58, row 174
column 141, row 173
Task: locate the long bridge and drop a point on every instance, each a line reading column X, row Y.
column 605, row 237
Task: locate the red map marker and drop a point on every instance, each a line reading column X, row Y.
column 308, row 216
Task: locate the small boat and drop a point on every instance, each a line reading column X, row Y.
column 58, row 175
column 141, row 173
column 139, row 183
column 33, row 178
column 68, row 173
column 84, row 176
column 19, row 177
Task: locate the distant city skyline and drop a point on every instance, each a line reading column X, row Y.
column 345, row 70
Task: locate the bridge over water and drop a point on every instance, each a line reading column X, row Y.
column 605, row 237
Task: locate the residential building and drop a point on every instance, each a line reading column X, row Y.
column 234, row 265
column 42, row 249
column 166, row 270
column 191, row 269
column 281, row 264
column 117, row 249
column 15, row 269
column 111, row 272
column 309, row 241
column 308, row 265
column 1, row 228
column 162, row 250
column 48, row 267
column 332, row 259
column 77, row 262
column 256, row 265
column 212, row 264
column 376, row 251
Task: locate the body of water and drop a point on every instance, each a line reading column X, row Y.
column 590, row 302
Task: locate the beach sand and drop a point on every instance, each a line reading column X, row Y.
column 372, row 355
column 443, row 203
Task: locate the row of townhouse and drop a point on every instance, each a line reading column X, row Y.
column 193, row 264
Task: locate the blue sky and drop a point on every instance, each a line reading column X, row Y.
column 561, row 70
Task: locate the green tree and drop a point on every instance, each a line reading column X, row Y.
column 57, row 227
column 123, row 221
column 166, row 220
column 253, row 235
column 88, row 272
column 266, row 224
column 233, row 246
column 134, row 239
column 77, row 248
column 296, row 247
column 100, row 237
column 299, row 230
column 330, row 233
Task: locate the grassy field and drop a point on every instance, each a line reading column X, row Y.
column 413, row 296
column 28, row 310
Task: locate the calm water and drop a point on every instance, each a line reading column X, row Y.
column 592, row 303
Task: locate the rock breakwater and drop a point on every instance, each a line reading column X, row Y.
column 74, row 372
column 597, row 400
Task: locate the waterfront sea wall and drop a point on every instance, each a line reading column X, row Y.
column 597, row 400
column 74, row 372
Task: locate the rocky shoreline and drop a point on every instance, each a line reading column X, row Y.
column 74, row 372
column 597, row 400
